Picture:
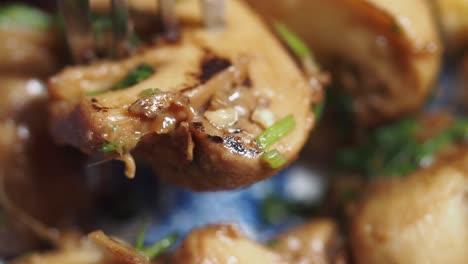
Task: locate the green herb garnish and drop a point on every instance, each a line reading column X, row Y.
column 140, row 240
column 149, row 91
column 137, row 75
column 274, row 158
column 109, row 147
column 274, row 209
column 101, row 26
column 396, row 150
column 15, row 15
column 275, row 132
column 292, row 40
column 395, row 28
column 272, row 243
column 135, row 40
column 300, row 49
column 95, row 93
column 318, row 109
column 160, row 246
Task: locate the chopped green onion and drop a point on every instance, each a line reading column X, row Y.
column 395, row 150
column 318, row 110
column 274, row 158
column 292, row 40
column 298, row 47
column 109, row 147
column 95, row 93
column 15, row 15
column 101, row 25
column 134, row 40
column 140, row 240
column 149, row 91
column 395, row 28
column 274, row 209
column 160, row 246
column 276, row 132
column 272, row 243
column 137, row 75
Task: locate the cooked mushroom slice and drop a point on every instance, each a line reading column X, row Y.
column 222, row 244
column 188, row 107
column 453, row 15
column 30, row 43
column 421, row 218
column 317, row 241
column 385, row 54
column 96, row 248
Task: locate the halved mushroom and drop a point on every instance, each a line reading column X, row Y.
column 30, row 43
column 421, row 218
column 223, row 244
column 317, row 241
column 385, row 54
column 453, row 15
column 187, row 107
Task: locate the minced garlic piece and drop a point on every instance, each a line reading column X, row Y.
column 222, row 117
column 263, row 116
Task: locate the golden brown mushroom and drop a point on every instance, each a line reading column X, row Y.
column 193, row 118
column 315, row 242
column 453, row 16
column 421, row 218
column 385, row 54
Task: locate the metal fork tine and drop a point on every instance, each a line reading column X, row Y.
column 121, row 28
column 76, row 17
column 168, row 17
column 214, row 14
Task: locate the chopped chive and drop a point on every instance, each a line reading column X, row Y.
column 149, row 91
column 318, row 110
column 135, row 40
column 275, row 132
column 297, row 46
column 272, row 243
column 274, row 158
column 137, row 75
column 140, row 240
column 109, row 147
column 395, row 28
column 95, row 93
column 275, row 209
column 161, row 246
column 396, row 150
column 292, row 40
column 15, row 15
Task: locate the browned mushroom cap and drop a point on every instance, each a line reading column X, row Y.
column 385, row 54
column 196, row 117
column 222, row 244
column 453, row 16
column 317, row 241
column 30, row 51
column 419, row 218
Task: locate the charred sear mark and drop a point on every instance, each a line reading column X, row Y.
column 199, row 126
column 211, row 65
column 247, row 82
column 189, row 87
column 99, row 108
column 235, row 146
column 216, row 139
column 94, row 100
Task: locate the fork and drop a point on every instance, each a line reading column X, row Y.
column 76, row 16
